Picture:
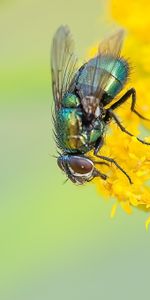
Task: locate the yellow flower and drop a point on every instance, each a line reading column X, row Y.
column 134, row 159
column 130, row 154
column 133, row 15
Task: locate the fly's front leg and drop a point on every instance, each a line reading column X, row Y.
column 97, row 173
column 111, row 160
column 124, row 98
column 110, row 115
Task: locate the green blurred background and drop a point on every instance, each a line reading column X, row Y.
column 56, row 241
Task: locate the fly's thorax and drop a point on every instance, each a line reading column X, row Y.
column 79, row 169
column 69, row 129
column 79, row 123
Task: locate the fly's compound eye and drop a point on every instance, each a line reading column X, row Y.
column 80, row 166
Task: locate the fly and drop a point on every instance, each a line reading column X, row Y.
column 81, row 96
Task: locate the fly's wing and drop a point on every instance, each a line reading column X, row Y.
column 112, row 45
column 111, row 49
column 93, row 77
column 63, row 63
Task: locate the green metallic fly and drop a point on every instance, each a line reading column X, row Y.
column 80, row 116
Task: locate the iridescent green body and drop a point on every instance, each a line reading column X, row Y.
column 113, row 71
column 73, row 135
column 81, row 96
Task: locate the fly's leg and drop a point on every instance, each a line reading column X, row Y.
column 97, row 173
column 111, row 160
column 124, row 98
column 99, row 143
column 111, row 115
column 101, row 163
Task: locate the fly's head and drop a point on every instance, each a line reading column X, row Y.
column 79, row 169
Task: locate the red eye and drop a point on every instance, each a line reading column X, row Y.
column 80, row 165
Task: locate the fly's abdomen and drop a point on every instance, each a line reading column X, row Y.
column 118, row 71
column 104, row 74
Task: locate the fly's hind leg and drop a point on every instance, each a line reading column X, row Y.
column 124, row 98
column 110, row 115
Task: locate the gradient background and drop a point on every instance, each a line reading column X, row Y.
column 56, row 241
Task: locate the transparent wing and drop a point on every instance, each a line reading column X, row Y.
column 112, row 45
column 63, row 63
column 110, row 48
column 93, row 76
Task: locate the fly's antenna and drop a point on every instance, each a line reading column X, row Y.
column 65, row 180
column 54, row 156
